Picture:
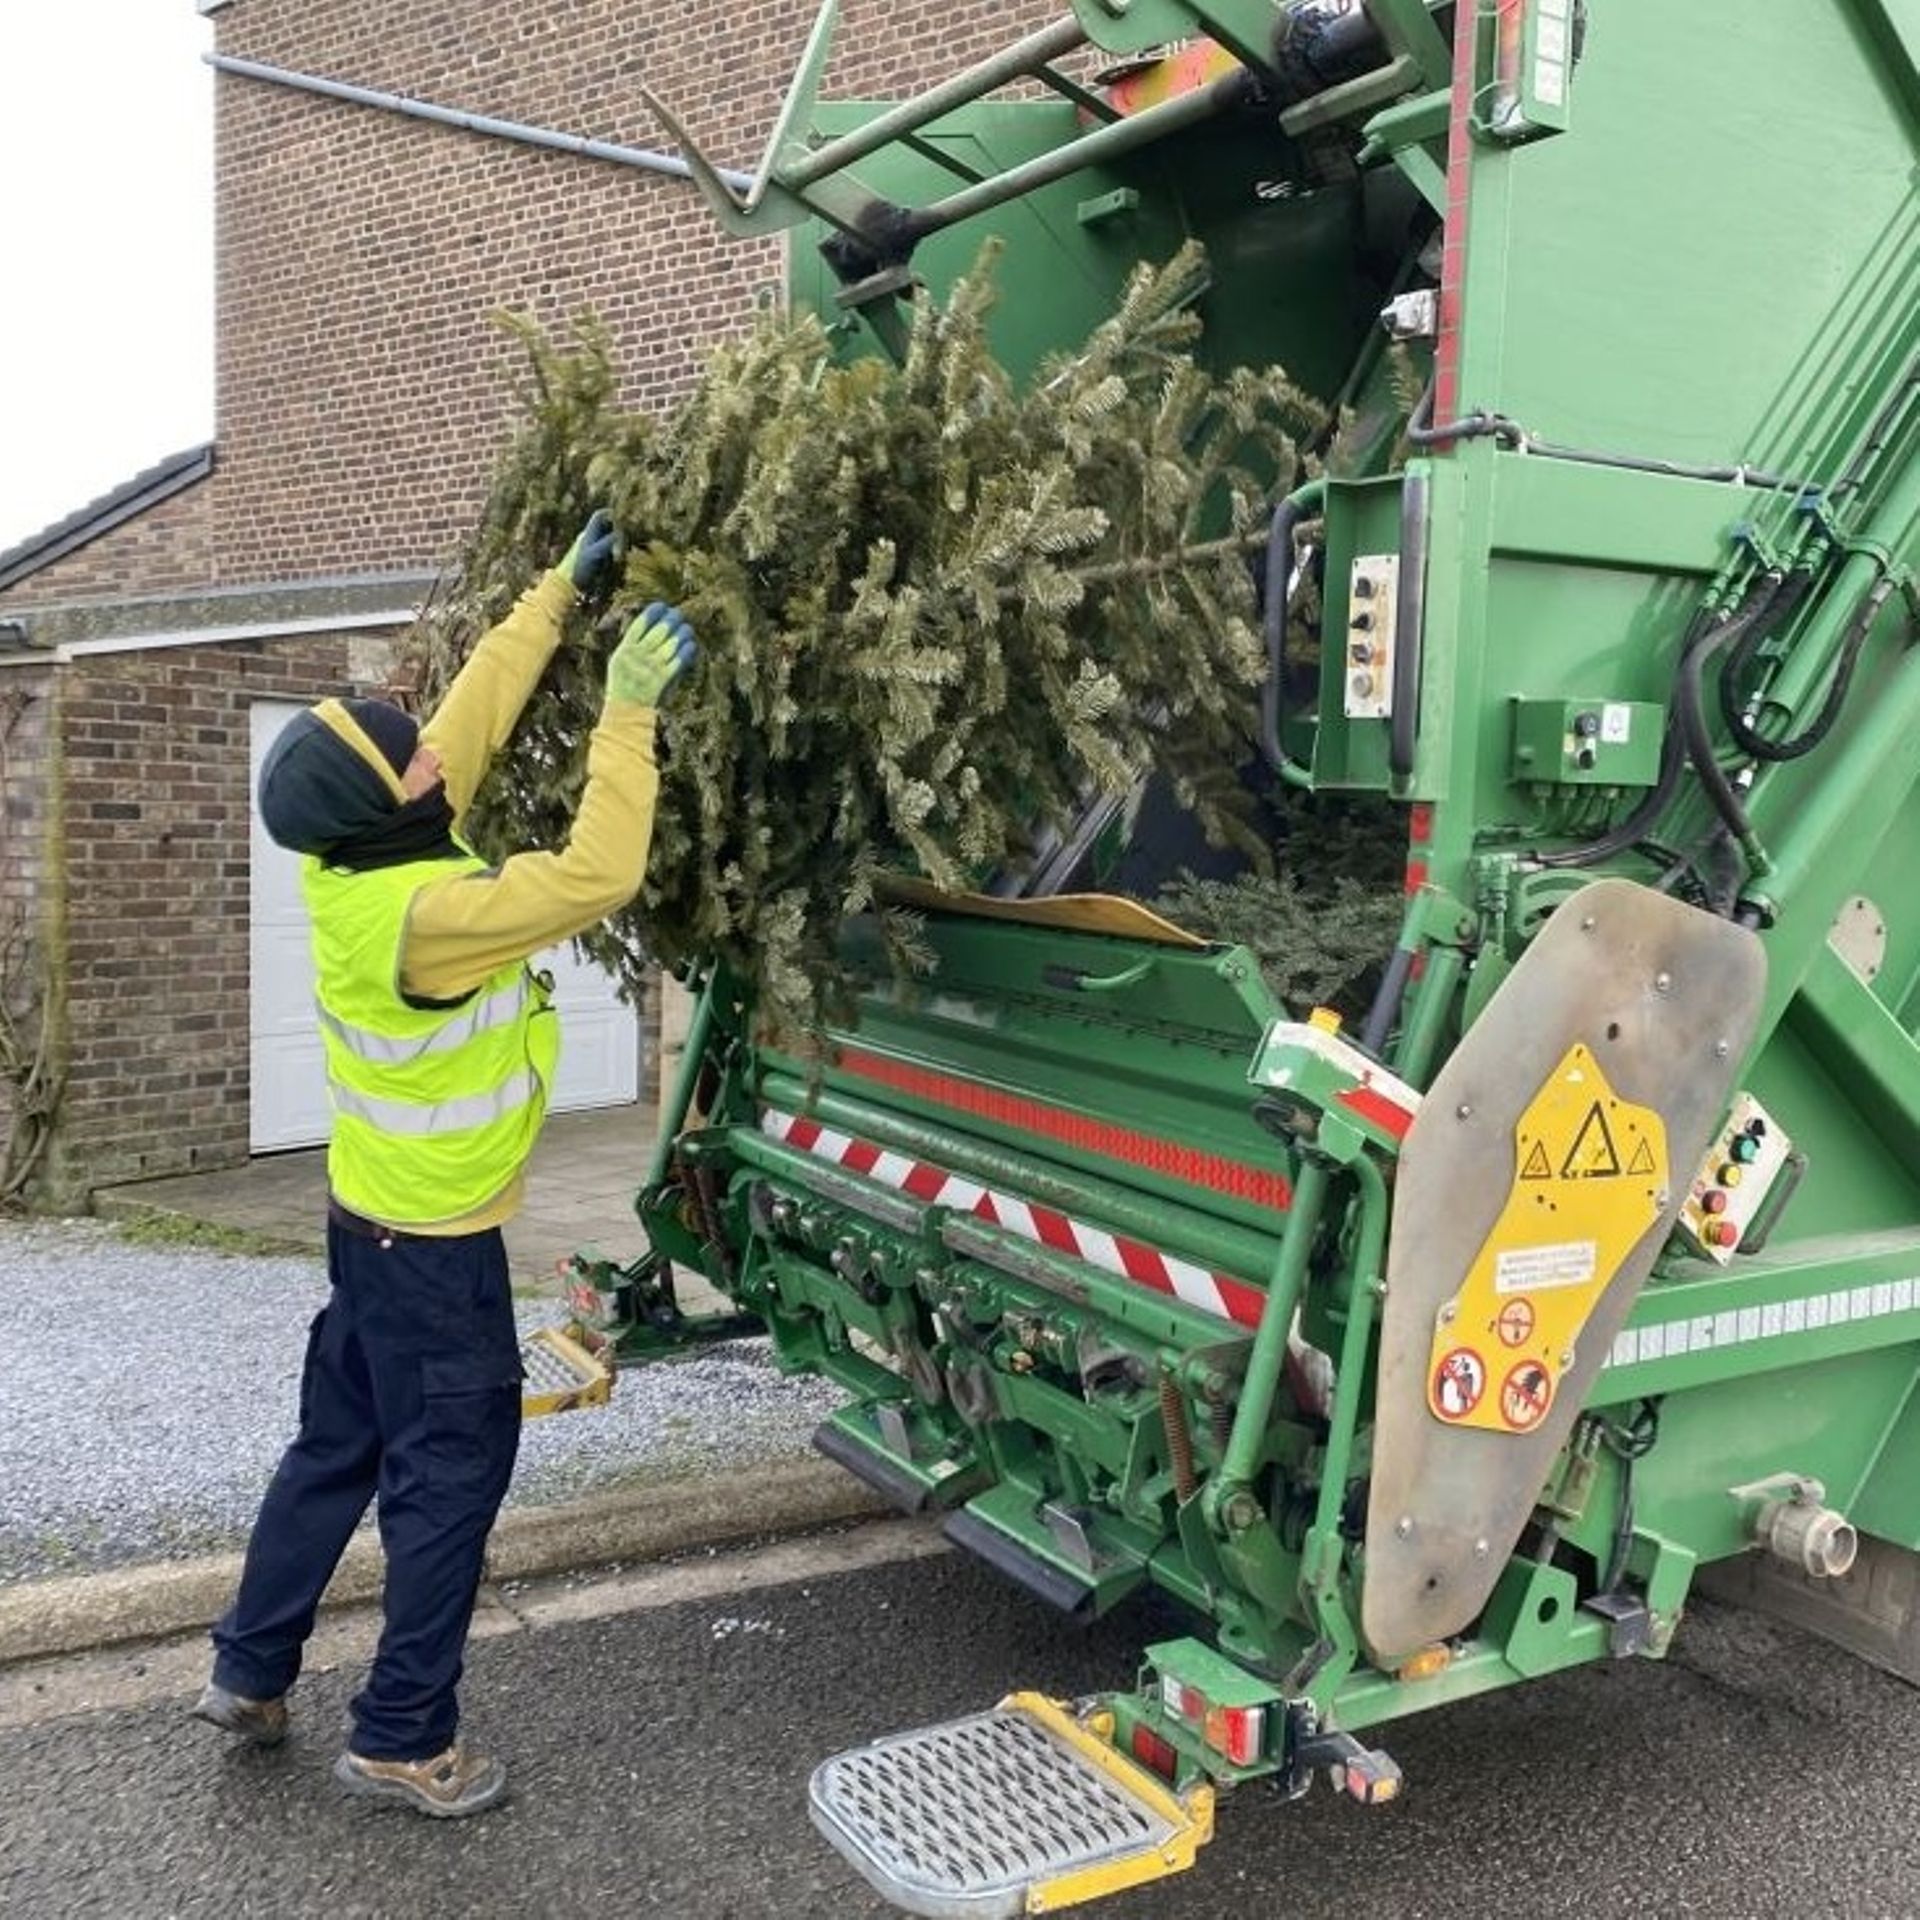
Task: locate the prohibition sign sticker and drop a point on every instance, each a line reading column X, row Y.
column 1515, row 1324
column 1458, row 1382
column 1525, row 1396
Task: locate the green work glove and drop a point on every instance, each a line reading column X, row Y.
column 590, row 560
column 656, row 649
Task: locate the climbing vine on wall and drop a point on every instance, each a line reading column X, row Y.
column 32, row 1078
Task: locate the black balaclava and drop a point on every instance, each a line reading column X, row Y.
column 330, row 787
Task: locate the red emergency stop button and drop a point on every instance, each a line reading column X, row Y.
column 1721, row 1233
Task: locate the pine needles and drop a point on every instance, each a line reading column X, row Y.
column 1323, row 925
column 933, row 607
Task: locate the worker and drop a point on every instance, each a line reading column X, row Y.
column 440, row 1048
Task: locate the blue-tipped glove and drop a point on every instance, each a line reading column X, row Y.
column 590, row 560
column 656, row 649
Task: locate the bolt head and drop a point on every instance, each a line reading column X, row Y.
column 1663, row 983
column 1403, row 1527
column 1721, row 1049
column 1587, row 925
column 1463, row 1111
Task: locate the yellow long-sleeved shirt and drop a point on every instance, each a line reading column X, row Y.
column 461, row 930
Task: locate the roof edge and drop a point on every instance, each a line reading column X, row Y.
column 145, row 490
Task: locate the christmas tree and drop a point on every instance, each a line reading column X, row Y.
column 935, row 607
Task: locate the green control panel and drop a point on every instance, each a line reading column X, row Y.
column 1586, row 743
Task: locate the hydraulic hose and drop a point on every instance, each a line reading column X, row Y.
column 1299, row 506
column 1692, row 714
column 1758, row 745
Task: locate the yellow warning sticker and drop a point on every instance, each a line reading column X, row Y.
column 1589, row 1176
column 1593, row 1155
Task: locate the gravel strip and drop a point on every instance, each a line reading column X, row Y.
column 146, row 1394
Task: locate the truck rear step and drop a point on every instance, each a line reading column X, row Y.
column 1020, row 1810
column 559, row 1373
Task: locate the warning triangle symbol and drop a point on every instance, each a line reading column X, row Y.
column 1592, row 1155
column 1641, row 1160
column 1538, row 1166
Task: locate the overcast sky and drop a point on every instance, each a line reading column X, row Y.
column 106, row 247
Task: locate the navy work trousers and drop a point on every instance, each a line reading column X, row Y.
column 411, row 1392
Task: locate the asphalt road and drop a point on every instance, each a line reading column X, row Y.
column 661, row 1761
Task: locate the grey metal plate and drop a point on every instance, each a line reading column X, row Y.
column 1666, row 997
column 961, row 1819
column 549, row 1372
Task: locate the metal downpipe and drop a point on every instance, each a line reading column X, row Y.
column 516, row 131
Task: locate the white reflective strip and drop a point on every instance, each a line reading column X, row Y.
column 1016, row 1216
column 1195, row 1285
column 1778, row 1320
column 498, row 1009
column 446, row 1116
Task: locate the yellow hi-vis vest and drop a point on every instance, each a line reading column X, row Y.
column 434, row 1108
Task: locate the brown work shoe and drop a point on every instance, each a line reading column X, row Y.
column 448, row 1787
column 264, row 1722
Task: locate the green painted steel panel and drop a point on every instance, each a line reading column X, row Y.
column 1660, row 272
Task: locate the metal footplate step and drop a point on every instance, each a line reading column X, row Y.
column 560, row 1373
column 1021, row 1810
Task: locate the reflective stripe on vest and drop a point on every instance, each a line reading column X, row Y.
column 500, row 1008
column 446, row 1116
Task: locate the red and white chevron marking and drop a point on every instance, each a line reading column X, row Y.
column 1215, row 1293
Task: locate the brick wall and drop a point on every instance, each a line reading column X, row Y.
column 156, row 801
column 361, row 387
column 167, row 549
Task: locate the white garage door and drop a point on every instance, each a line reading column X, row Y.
column 599, row 1036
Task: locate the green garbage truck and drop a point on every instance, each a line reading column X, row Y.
column 1430, row 1353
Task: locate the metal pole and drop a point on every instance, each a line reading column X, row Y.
column 1321, row 1582
column 692, row 1055
column 514, row 130
column 1011, row 63
column 1270, row 1342
column 1090, row 150
column 1433, row 1001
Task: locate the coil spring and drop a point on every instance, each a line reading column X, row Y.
column 698, row 1182
column 1220, row 1417
column 1173, row 1417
